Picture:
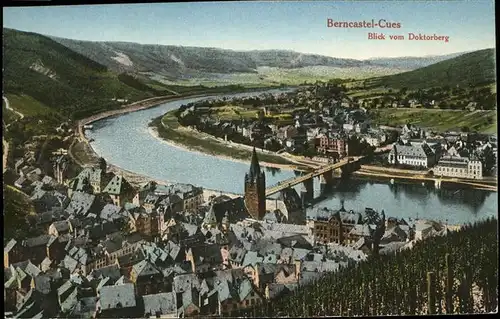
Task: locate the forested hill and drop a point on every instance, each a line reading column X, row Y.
column 175, row 62
column 470, row 69
column 62, row 79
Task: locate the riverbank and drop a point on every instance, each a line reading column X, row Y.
column 137, row 180
column 445, row 182
column 155, row 101
column 168, row 128
column 138, row 106
column 154, row 132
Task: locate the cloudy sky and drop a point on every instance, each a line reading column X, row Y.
column 298, row 26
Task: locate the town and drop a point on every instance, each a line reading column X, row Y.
column 97, row 246
column 323, row 123
column 220, row 161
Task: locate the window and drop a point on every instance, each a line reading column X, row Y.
column 247, row 302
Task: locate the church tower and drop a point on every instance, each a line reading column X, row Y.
column 255, row 189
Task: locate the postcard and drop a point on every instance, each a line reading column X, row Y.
column 249, row 159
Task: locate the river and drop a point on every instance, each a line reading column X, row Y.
column 126, row 142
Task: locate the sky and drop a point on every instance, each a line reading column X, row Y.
column 298, row 26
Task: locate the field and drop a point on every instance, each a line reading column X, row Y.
column 235, row 112
column 438, row 120
column 170, row 129
column 271, row 76
column 27, row 105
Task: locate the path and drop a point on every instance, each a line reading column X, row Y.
column 7, row 105
column 5, row 153
column 4, row 142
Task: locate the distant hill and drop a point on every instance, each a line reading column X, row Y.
column 179, row 63
column 175, row 61
column 474, row 68
column 411, row 63
column 58, row 77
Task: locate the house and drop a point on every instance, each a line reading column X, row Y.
column 120, row 190
column 49, row 200
column 116, row 300
column 112, row 272
column 234, row 207
column 312, row 133
column 115, row 247
column 146, row 278
column 461, row 167
column 146, row 222
column 161, row 305
column 90, row 179
column 111, row 213
column 394, row 234
column 423, row 230
column 332, row 144
column 333, row 226
column 22, row 182
column 12, row 253
column 375, row 140
column 359, row 231
column 82, row 204
column 170, row 205
column 235, row 293
column 67, row 296
column 191, row 196
column 286, row 132
column 35, row 248
column 236, row 257
column 204, row 257
column 293, row 203
column 60, row 228
column 420, row 155
column 277, row 290
column 186, row 288
column 261, row 274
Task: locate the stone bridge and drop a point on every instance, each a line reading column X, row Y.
column 347, row 165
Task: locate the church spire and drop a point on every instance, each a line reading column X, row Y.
column 254, row 166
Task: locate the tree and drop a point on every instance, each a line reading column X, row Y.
column 310, row 150
column 465, row 129
column 372, row 217
column 102, row 164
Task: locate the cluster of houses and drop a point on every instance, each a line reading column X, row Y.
column 356, row 230
column 461, row 155
column 322, row 116
column 107, row 249
column 304, row 118
column 104, row 248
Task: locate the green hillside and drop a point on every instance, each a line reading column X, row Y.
column 55, row 76
column 17, row 208
column 470, row 69
column 437, row 119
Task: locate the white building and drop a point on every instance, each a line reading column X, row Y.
column 460, row 167
column 413, row 155
column 375, row 140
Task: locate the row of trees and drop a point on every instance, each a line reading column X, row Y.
column 464, row 282
column 445, row 97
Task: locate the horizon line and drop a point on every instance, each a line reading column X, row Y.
column 257, row 50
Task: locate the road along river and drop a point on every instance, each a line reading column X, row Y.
column 126, row 141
